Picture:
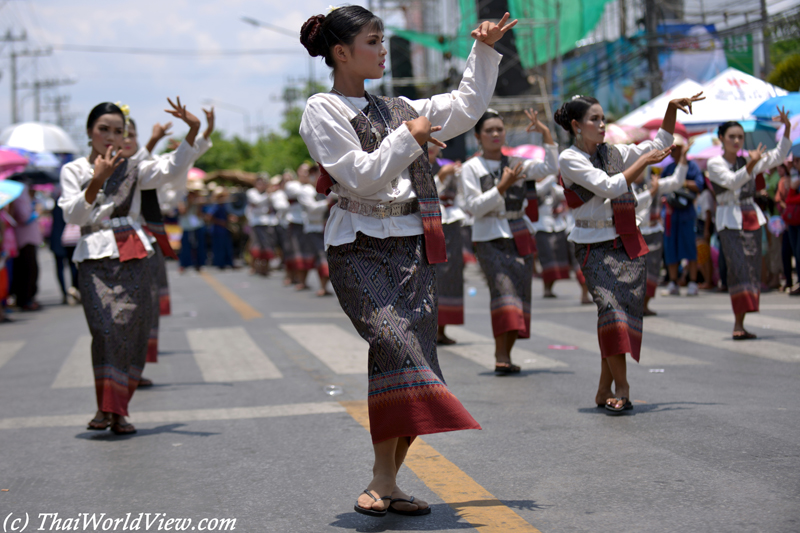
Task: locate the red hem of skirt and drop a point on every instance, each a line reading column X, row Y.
column 550, row 275
column 164, row 305
column 651, row 287
column 745, row 302
column 510, row 318
column 619, row 338
column 450, row 316
column 113, row 397
column 152, row 350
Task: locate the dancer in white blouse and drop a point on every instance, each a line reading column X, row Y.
column 262, row 248
column 495, row 189
column 102, row 194
column 384, row 234
column 738, row 218
column 609, row 246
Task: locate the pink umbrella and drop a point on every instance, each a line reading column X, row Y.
column 525, row 151
column 196, row 174
column 702, row 157
column 11, row 163
column 616, row 134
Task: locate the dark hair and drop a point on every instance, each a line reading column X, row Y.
column 490, row 113
column 725, row 127
column 131, row 122
column 106, row 108
column 574, row 109
column 321, row 33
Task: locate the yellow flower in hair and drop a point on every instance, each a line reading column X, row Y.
column 331, row 9
column 126, row 112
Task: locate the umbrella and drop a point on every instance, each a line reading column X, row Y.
column 617, row 135
column 38, row 137
column 701, row 142
column 525, row 151
column 11, row 162
column 36, row 176
column 9, row 191
column 196, row 174
column 655, row 124
column 794, row 135
column 769, row 109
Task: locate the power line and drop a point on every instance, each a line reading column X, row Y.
column 172, row 51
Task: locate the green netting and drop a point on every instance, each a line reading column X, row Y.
column 536, row 44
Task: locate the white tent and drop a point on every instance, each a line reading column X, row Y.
column 731, row 95
column 656, row 107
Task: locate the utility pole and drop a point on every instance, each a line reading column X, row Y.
column 765, row 38
column 14, row 86
column 11, row 38
column 651, row 34
column 37, row 87
column 59, row 104
column 623, row 18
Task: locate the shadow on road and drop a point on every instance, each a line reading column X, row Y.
column 442, row 517
column 643, row 408
column 168, row 428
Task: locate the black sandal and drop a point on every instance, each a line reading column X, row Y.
column 373, row 512
column 415, row 512
column 615, row 411
column 744, row 336
column 123, row 429
column 99, row 424
column 506, row 368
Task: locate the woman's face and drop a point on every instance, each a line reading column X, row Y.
column 130, row 144
column 733, row 140
column 493, row 135
column 592, row 126
column 782, row 171
column 366, row 57
column 107, row 131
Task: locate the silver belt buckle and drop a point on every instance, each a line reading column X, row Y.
column 352, row 207
column 381, row 211
column 396, row 210
column 364, row 210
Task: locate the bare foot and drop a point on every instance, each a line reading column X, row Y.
column 405, row 506
column 380, row 487
column 603, row 396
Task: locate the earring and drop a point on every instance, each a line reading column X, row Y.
column 89, row 144
column 579, row 130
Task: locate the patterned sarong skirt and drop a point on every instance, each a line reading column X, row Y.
column 263, row 243
column 553, row 255
column 450, row 277
column 298, row 253
column 617, row 285
column 153, row 268
column 742, row 251
column 655, row 241
column 388, row 290
column 509, row 277
column 316, row 243
column 117, row 302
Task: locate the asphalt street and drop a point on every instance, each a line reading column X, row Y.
column 241, row 423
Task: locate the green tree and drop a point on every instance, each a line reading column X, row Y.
column 787, row 73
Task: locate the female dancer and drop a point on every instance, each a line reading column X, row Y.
column 597, row 179
column 101, row 193
column 738, row 218
column 385, row 233
column 502, row 230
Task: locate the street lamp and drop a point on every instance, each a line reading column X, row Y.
column 241, row 110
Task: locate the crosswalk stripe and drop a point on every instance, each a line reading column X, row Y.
column 76, row 371
column 588, row 341
column 763, row 321
column 310, row 314
column 722, row 340
column 188, row 415
column 9, row 349
column 480, row 349
column 229, row 354
column 341, row 351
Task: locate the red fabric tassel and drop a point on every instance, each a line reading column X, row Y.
column 163, row 243
column 324, row 182
column 522, row 237
column 625, row 225
column 129, row 245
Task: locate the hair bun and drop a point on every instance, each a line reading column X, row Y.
column 311, row 36
column 561, row 118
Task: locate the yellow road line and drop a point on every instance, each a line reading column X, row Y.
column 243, row 308
column 472, row 502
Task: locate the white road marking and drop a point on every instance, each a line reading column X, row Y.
column 480, row 349
column 764, row 321
column 188, row 415
column 342, row 351
column 722, row 340
column 586, row 340
column 310, row 314
column 230, row 354
column 77, row 369
column 9, row 349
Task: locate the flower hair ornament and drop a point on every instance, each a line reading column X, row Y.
column 576, row 97
column 126, row 112
column 331, row 9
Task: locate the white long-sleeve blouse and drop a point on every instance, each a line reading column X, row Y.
column 366, row 177
column 489, row 207
column 576, row 167
column 729, row 209
column 665, row 186
column 75, row 177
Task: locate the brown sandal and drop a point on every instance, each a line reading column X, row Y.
column 123, row 429
column 99, row 424
column 506, row 368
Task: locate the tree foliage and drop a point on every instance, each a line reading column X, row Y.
column 787, row 73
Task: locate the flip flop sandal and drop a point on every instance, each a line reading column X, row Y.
column 373, row 512
column 745, row 336
column 415, row 512
column 144, row 383
column 507, row 368
column 123, row 429
column 616, row 411
column 445, row 341
column 98, row 422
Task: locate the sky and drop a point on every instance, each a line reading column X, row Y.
column 246, row 87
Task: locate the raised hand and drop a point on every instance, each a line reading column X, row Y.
column 509, row 178
column 210, row 121
column 105, row 165
column 657, row 156
column 757, row 154
column 783, row 117
column 180, row 111
column 489, row 32
column 421, row 129
column 161, row 130
column 537, row 126
column 685, row 104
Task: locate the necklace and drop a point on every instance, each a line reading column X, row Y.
column 372, row 127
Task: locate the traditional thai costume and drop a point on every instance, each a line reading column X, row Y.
column 115, row 279
column 259, row 214
column 299, row 253
column 550, row 231
column 609, row 246
column 738, row 223
column 450, row 275
column 315, row 213
column 502, row 233
column 381, row 265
